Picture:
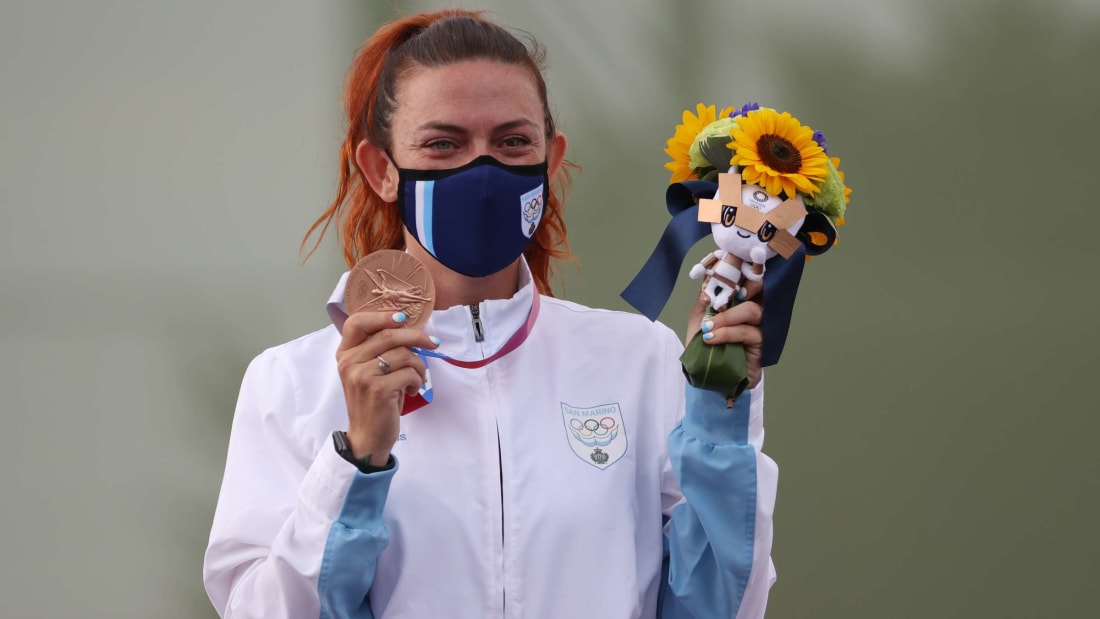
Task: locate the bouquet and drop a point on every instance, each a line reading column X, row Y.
column 764, row 186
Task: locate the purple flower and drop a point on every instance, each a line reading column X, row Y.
column 819, row 137
column 745, row 109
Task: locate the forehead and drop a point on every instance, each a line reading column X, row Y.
column 468, row 93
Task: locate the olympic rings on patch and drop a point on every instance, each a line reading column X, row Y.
column 590, row 427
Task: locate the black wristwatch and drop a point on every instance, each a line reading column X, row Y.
column 340, row 441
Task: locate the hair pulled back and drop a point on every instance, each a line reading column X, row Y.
column 365, row 222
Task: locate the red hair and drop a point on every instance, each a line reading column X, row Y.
column 365, row 222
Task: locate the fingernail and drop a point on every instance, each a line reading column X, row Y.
column 399, row 317
column 741, row 295
column 708, row 336
column 707, row 326
column 435, row 340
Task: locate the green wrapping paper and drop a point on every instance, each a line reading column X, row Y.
column 715, row 367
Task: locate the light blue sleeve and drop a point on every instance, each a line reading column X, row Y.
column 710, row 536
column 356, row 539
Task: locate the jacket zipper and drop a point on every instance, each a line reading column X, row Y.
column 479, row 328
column 500, row 465
column 479, row 336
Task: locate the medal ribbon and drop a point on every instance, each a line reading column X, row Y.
column 514, row 342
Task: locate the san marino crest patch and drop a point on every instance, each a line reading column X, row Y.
column 595, row 434
column 531, row 208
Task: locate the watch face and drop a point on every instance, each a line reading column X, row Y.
column 340, row 441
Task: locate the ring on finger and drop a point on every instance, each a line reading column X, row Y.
column 383, row 365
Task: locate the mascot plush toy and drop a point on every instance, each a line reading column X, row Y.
column 763, row 185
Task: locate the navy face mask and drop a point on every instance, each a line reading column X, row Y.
column 475, row 219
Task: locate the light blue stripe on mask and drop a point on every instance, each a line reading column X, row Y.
column 426, row 206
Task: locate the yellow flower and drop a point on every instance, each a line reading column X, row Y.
column 778, row 153
column 680, row 143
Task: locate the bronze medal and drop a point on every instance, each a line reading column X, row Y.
column 389, row 280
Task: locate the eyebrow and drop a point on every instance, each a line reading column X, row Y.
column 508, row 126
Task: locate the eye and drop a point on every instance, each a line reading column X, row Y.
column 441, row 145
column 515, row 141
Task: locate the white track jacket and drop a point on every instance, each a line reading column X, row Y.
column 561, row 480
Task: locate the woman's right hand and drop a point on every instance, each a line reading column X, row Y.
column 375, row 395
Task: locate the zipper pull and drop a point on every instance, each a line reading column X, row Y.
column 479, row 329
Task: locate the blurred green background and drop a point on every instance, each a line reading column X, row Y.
column 933, row 417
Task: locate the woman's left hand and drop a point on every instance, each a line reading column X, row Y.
column 740, row 323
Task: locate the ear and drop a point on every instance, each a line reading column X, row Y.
column 555, row 153
column 379, row 170
column 817, row 233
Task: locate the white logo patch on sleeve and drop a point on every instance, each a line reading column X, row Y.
column 596, row 434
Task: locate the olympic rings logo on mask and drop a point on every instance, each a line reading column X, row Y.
column 594, row 433
column 532, row 208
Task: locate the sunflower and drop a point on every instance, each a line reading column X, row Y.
column 778, row 153
column 680, row 143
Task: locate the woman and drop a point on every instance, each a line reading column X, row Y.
column 544, row 479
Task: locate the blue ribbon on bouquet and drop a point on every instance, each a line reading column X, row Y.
column 651, row 288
